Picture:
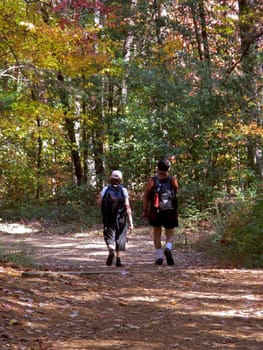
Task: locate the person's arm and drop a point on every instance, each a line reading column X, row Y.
column 100, row 196
column 129, row 212
column 175, row 183
column 99, row 199
column 128, row 207
column 146, row 197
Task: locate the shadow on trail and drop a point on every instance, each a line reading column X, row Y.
column 184, row 307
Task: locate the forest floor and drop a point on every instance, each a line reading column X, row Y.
column 77, row 302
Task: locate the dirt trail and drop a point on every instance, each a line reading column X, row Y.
column 192, row 305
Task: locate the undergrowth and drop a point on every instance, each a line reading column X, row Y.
column 21, row 256
column 238, row 234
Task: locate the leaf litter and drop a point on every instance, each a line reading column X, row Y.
column 197, row 304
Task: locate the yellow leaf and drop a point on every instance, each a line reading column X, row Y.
column 13, row 322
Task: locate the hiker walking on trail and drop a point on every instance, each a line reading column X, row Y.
column 160, row 207
column 116, row 214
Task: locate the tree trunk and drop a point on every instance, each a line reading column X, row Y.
column 201, row 35
column 35, row 96
column 98, row 157
column 204, row 31
column 39, row 157
column 248, row 37
column 127, row 52
column 74, row 151
column 197, row 34
column 69, row 124
column 84, row 150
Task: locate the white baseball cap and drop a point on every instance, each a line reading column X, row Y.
column 116, row 174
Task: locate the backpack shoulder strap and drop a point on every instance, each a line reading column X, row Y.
column 156, row 182
column 106, row 191
column 170, row 179
column 110, row 187
column 121, row 190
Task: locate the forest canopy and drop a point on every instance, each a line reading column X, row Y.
column 91, row 86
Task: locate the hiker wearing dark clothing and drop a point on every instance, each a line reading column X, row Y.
column 116, row 214
column 160, row 207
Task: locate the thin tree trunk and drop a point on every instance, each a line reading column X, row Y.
column 249, row 53
column 204, row 31
column 197, row 35
column 69, row 124
column 39, row 157
column 98, row 153
column 127, row 52
column 35, row 96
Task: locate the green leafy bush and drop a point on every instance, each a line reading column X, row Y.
column 71, row 205
column 247, row 243
column 239, row 226
column 230, row 214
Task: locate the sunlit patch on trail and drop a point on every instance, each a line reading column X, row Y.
column 16, row 229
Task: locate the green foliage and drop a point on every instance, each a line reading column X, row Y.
column 190, row 213
column 229, row 215
column 66, row 209
column 6, row 100
column 21, row 256
column 247, row 243
column 120, row 90
column 239, row 228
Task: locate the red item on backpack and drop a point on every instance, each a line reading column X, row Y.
column 156, row 200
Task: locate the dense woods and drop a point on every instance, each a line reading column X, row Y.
column 90, row 86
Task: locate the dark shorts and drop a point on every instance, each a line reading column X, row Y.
column 168, row 218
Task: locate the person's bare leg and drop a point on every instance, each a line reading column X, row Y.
column 169, row 233
column 157, row 235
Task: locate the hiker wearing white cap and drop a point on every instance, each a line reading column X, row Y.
column 116, row 213
column 116, row 174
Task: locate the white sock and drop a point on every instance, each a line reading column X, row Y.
column 159, row 253
column 169, row 245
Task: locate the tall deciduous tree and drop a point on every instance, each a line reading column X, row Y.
column 250, row 32
column 87, row 86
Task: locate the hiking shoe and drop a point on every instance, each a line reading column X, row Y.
column 110, row 258
column 119, row 263
column 158, row 261
column 169, row 258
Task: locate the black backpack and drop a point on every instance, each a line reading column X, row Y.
column 166, row 194
column 113, row 204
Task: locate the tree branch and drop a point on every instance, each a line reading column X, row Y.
column 253, row 39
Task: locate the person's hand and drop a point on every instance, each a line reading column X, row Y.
column 131, row 227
